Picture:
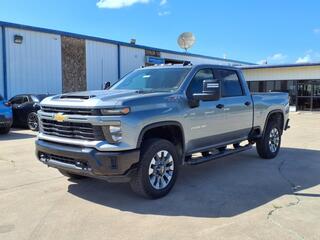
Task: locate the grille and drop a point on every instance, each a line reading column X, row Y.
column 72, row 130
column 70, row 111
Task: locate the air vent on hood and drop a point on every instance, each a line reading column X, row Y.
column 84, row 97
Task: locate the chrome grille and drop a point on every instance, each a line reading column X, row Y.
column 70, row 111
column 71, row 130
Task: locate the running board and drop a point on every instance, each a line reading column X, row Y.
column 227, row 152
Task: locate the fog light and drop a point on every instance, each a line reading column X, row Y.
column 115, row 132
column 112, row 133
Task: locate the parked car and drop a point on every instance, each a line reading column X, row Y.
column 153, row 120
column 25, row 107
column 5, row 116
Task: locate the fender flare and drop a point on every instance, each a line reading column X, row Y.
column 268, row 117
column 161, row 124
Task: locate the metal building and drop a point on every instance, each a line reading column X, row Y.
column 37, row 60
column 301, row 81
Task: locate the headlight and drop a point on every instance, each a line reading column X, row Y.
column 115, row 111
column 112, row 133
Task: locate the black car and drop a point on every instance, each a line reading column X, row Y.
column 25, row 107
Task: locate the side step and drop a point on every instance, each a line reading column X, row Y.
column 199, row 160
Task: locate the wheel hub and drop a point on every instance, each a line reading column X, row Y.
column 274, row 140
column 161, row 169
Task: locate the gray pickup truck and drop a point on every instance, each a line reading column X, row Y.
column 156, row 119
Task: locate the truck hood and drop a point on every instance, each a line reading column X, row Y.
column 95, row 99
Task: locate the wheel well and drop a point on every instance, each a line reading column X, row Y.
column 172, row 133
column 278, row 117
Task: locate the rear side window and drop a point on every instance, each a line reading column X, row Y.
column 196, row 84
column 230, row 83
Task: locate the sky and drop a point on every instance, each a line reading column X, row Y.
column 276, row 31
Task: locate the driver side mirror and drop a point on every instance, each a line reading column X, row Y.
column 106, row 85
column 211, row 91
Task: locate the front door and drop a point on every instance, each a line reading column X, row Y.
column 204, row 123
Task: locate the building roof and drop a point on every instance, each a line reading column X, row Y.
column 45, row 30
column 266, row 66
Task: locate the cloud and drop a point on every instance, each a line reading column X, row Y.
column 306, row 59
column 274, row 59
column 316, row 31
column 309, row 56
column 164, row 13
column 277, row 57
column 163, row 2
column 119, row 3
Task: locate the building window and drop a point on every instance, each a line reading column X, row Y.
column 275, row 86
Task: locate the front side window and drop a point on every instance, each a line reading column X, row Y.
column 196, row 84
column 230, row 83
column 157, row 79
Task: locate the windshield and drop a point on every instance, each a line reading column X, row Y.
column 160, row 79
column 39, row 98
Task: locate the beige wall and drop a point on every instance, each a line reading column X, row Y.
column 288, row 73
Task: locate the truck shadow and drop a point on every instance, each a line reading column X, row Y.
column 222, row 188
column 17, row 134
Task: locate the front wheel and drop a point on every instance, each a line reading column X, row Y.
column 33, row 121
column 269, row 145
column 157, row 170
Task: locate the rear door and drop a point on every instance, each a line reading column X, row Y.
column 236, row 104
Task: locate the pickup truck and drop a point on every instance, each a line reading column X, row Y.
column 5, row 116
column 156, row 119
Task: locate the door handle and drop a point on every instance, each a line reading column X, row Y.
column 220, row 106
column 247, row 103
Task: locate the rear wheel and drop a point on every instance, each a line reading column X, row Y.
column 157, row 170
column 33, row 121
column 71, row 175
column 269, row 145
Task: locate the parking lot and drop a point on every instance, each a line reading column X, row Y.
column 237, row 197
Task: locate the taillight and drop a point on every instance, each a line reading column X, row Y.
column 8, row 104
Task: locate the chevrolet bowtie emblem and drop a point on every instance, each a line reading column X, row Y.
column 59, row 117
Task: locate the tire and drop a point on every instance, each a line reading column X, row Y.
column 157, row 170
column 5, row 130
column 33, row 121
column 269, row 145
column 71, row 175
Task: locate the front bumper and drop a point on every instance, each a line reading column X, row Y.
column 5, row 122
column 110, row 166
